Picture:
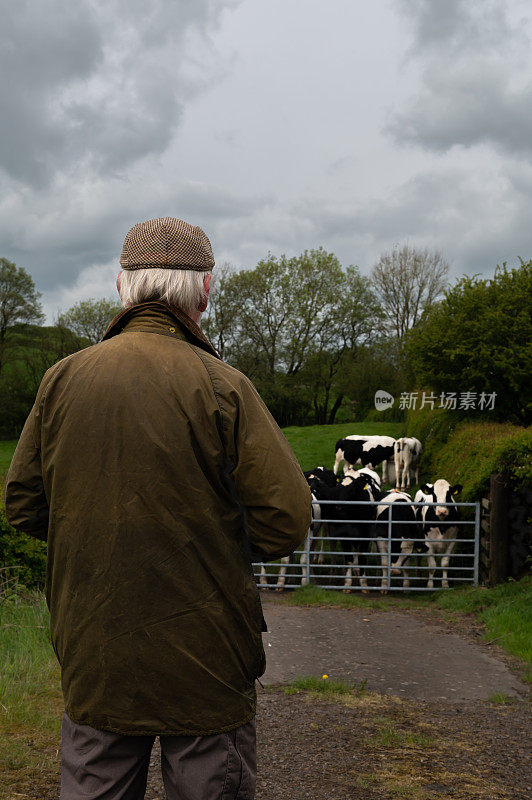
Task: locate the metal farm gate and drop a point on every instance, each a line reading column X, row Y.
column 323, row 563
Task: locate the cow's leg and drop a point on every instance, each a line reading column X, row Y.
column 322, row 534
column 263, row 581
column 339, row 457
column 362, row 560
column 282, row 574
column 313, row 532
column 397, row 462
column 431, row 560
column 384, row 471
column 348, row 582
column 311, row 552
column 352, row 567
column 407, row 548
column 445, row 559
column 303, row 565
column 321, row 557
column 382, row 544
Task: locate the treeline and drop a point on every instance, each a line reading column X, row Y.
column 28, row 348
column 318, row 339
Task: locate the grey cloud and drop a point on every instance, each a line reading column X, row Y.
column 44, row 47
column 467, row 108
column 458, row 25
column 55, row 242
column 470, row 54
column 447, row 209
column 92, row 85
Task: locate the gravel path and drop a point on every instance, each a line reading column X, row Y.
column 400, row 654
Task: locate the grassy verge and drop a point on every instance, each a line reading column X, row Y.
column 505, row 610
column 323, row 686
column 30, row 696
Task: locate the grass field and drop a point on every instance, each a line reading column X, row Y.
column 314, row 445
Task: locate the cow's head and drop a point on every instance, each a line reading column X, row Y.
column 442, row 492
column 357, row 487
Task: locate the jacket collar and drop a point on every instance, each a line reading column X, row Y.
column 156, row 316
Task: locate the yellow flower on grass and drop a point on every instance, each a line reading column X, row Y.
column 324, row 677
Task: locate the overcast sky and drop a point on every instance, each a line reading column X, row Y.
column 276, row 126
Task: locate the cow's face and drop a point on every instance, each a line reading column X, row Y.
column 442, row 492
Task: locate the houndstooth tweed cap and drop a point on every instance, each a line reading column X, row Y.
column 167, row 243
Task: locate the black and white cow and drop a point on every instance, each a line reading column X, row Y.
column 350, row 447
column 402, row 534
column 354, row 529
column 439, row 524
column 319, row 530
column 366, row 450
column 407, row 453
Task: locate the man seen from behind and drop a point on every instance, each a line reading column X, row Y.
column 156, row 475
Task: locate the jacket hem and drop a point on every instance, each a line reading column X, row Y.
column 175, row 732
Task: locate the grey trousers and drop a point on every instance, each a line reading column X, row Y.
column 99, row 765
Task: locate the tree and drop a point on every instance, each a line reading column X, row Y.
column 479, row 339
column 287, row 308
column 19, row 301
column 408, row 282
column 293, row 326
column 219, row 322
column 89, row 319
column 355, row 324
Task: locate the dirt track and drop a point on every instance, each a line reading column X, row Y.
column 424, row 731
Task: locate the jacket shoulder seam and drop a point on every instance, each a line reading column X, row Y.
column 212, row 378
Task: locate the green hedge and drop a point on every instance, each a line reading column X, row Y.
column 468, row 452
column 23, row 555
column 432, row 428
column 476, row 450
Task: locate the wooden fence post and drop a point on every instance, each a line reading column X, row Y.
column 499, row 529
column 484, row 544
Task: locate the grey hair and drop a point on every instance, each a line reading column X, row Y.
column 183, row 288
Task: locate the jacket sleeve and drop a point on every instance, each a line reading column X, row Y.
column 25, row 500
column 268, row 480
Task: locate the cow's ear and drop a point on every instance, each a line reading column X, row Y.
column 456, row 489
column 426, row 488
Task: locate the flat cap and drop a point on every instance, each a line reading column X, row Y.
column 167, row 243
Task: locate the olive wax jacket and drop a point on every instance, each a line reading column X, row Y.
column 156, row 474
